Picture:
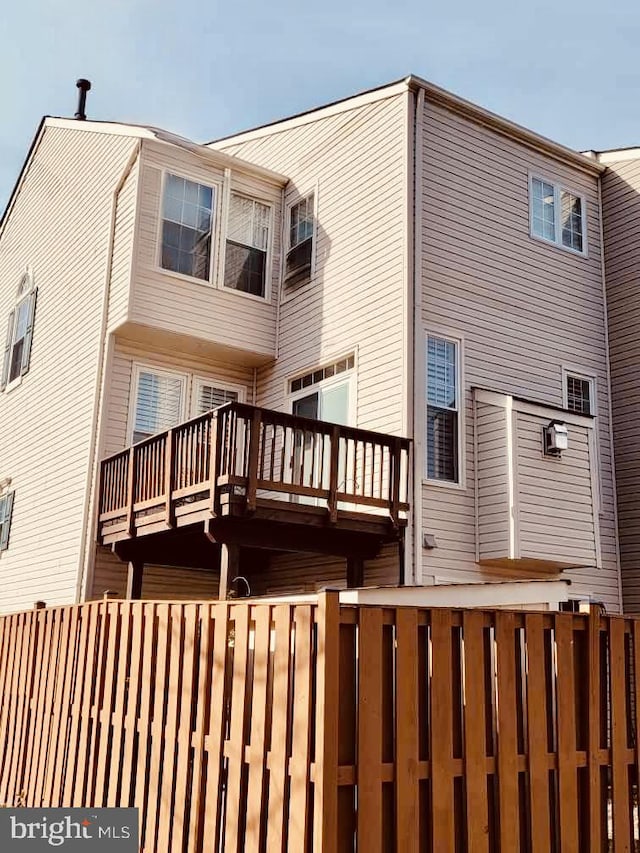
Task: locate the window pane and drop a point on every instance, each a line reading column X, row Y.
column 210, row 397
column 571, row 221
column 442, row 444
column 543, row 219
column 158, row 404
column 186, row 229
column 579, row 395
column 244, row 268
column 301, row 222
column 441, row 373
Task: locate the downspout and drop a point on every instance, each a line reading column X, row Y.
column 609, row 400
column 99, row 397
column 417, row 336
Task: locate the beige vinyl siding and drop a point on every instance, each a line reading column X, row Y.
column 355, row 162
column 493, row 509
column 215, row 315
column 556, row 505
column 524, row 309
column 122, row 257
column 59, row 224
column 621, row 217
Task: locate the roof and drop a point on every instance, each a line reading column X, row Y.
column 137, row 131
column 435, row 94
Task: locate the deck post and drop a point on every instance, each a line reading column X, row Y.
column 134, row 580
column 355, row 572
column 229, row 569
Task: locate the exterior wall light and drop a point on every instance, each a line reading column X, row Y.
column 556, row 438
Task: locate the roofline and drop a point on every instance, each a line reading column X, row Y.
column 505, row 126
column 435, row 94
column 617, row 155
column 157, row 134
column 22, row 173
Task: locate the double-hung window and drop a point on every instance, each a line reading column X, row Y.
column 301, row 229
column 6, row 510
column 187, row 219
column 159, row 402
column 443, row 409
column 17, row 353
column 208, row 396
column 558, row 215
column 248, row 228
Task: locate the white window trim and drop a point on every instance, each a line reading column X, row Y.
column 197, row 380
column 458, row 340
column 143, row 367
column 216, row 212
column 268, row 273
column 558, row 188
column 289, row 291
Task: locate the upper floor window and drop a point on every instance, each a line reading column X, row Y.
column 580, row 396
column 300, row 240
column 248, row 227
column 17, row 353
column 187, row 217
column 558, row 215
column 6, row 510
column 443, row 409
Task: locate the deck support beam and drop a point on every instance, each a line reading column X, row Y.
column 229, row 569
column 355, row 572
column 134, row 580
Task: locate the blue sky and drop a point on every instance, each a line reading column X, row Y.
column 205, row 69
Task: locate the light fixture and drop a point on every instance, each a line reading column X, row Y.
column 556, row 438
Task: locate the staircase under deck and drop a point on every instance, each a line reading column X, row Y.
column 234, row 485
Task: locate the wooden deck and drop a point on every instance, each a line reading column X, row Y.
column 256, row 478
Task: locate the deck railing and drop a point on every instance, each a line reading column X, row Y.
column 256, row 453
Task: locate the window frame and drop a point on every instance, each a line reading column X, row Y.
column 6, row 494
column 289, row 289
column 558, row 189
column 218, row 189
column 268, row 270
column 144, row 367
column 198, row 380
column 349, row 376
column 458, row 342
column 24, row 293
column 585, row 377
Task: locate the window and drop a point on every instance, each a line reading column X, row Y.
column 300, row 241
column 580, row 395
column 248, row 227
column 208, row 396
column 187, row 216
column 325, row 394
column 159, row 402
column 557, row 215
column 442, row 409
column 17, row 353
column 6, row 509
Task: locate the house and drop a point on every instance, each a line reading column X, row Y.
column 397, row 301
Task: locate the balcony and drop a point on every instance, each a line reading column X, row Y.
column 249, row 478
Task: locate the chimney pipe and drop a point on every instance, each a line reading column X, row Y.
column 83, row 87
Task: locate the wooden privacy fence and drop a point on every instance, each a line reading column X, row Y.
column 249, row 726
